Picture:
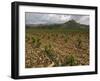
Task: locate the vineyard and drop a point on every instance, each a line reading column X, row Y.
column 56, row 47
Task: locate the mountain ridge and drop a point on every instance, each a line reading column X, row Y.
column 68, row 24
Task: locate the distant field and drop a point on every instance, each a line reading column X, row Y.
column 56, row 47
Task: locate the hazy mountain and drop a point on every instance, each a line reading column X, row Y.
column 68, row 24
column 74, row 24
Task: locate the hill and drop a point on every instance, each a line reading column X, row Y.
column 71, row 24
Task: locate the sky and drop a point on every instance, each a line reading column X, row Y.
column 45, row 18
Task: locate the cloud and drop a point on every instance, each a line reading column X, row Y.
column 43, row 18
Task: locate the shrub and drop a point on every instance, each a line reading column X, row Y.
column 36, row 42
column 51, row 55
column 79, row 43
column 48, row 50
column 69, row 61
column 33, row 40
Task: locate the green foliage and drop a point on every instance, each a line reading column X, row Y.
column 69, row 61
column 79, row 42
column 33, row 40
column 36, row 42
column 48, row 51
column 51, row 55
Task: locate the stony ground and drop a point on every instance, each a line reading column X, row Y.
column 52, row 49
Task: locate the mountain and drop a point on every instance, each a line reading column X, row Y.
column 74, row 24
column 67, row 25
column 71, row 23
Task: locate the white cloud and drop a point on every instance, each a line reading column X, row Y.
column 43, row 18
column 84, row 20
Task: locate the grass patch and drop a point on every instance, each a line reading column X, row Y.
column 69, row 61
column 36, row 42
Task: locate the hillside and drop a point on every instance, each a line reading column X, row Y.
column 68, row 24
